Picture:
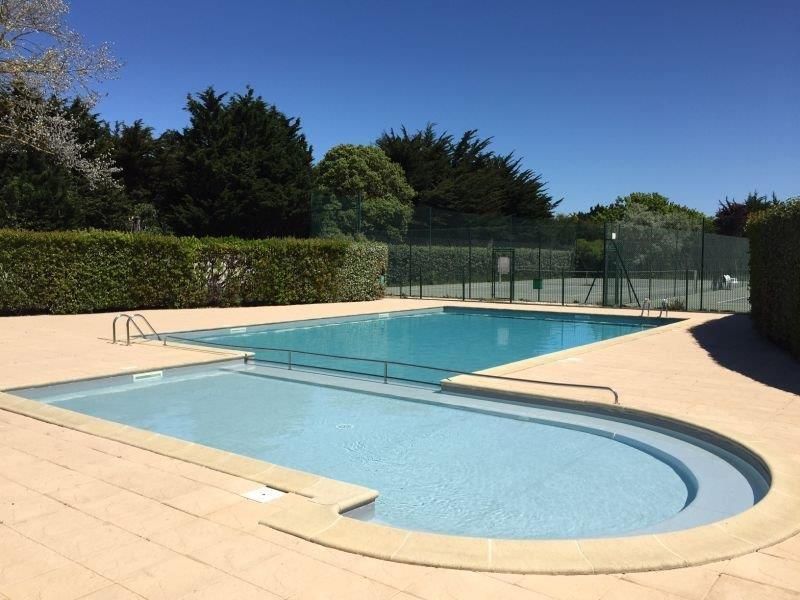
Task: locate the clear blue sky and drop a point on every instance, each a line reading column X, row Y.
column 696, row 100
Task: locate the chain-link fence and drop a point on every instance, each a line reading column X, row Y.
column 441, row 254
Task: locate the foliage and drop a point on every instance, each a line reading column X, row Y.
column 588, row 255
column 41, row 57
column 72, row 272
column 449, row 264
column 465, row 175
column 39, row 193
column 731, row 216
column 647, row 209
column 241, row 168
column 676, row 304
column 774, row 235
column 382, row 196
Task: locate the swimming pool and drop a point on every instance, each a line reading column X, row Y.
column 441, row 462
column 442, row 340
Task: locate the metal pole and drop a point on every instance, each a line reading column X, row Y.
column 539, row 291
column 562, row 287
column 702, row 258
column 469, row 261
column 409, row 265
column 385, row 372
column 687, row 290
column 463, row 284
column 605, row 265
column 512, row 268
column 420, row 281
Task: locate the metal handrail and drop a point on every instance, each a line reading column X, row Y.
column 128, row 329
column 128, row 320
column 143, row 318
column 114, row 327
column 292, row 364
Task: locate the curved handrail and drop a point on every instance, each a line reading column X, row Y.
column 143, row 318
column 386, row 364
column 128, row 329
column 128, row 320
column 114, row 327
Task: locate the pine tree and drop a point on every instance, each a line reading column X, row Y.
column 240, row 168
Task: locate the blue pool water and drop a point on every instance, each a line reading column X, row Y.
column 441, row 462
column 459, row 339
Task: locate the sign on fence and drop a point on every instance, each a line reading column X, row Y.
column 503, row 265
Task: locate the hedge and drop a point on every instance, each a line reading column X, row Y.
column 447, row 264
column 77, row 272
column 775, row 273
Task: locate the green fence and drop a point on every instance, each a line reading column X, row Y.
column 442, row 254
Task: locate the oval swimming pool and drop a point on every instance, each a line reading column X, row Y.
column 442, row 462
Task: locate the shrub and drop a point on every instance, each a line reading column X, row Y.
column 72, row 272
column 775, row 273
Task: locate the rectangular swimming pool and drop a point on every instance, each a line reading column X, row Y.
column 443, row 340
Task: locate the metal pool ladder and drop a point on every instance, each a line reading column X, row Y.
column 646, row 306
column 132, row 319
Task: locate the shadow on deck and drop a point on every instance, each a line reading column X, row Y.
column 734, row 343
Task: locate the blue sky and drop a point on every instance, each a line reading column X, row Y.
column 696, row 100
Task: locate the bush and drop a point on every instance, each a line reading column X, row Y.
column 447, row 264
column 775, row 273
column 75, row 272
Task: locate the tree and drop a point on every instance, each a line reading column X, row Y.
column 731, row 216
column 240, row 168
column 139, row 157
column 379, row 193
column 464, row 175
column 648, row 209
column 38, row 193
column 40, row 58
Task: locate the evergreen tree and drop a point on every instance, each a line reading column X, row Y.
column 37, row 192
column 241, row 168
column 464, row 175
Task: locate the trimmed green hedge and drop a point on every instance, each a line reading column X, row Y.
column 446, row 264
column 775, row 273
column 77, row 272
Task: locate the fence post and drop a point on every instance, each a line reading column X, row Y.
column 650, row 285
column 562, row 287
column 420, row 282
column 605, row 265
column 512, row 273
column 702, row 258
column 469, row 261
column 539, row 291
column 410, row 281
column 686, row 305
column 463, row 284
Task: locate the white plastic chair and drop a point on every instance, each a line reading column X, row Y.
column 729, row 281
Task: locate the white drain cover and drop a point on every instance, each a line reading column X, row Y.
column 263, row 494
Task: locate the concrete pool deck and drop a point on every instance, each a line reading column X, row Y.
column 713, row 371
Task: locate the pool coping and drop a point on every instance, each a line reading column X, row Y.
column 312, row 507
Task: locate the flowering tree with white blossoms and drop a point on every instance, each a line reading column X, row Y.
column 41, row 57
